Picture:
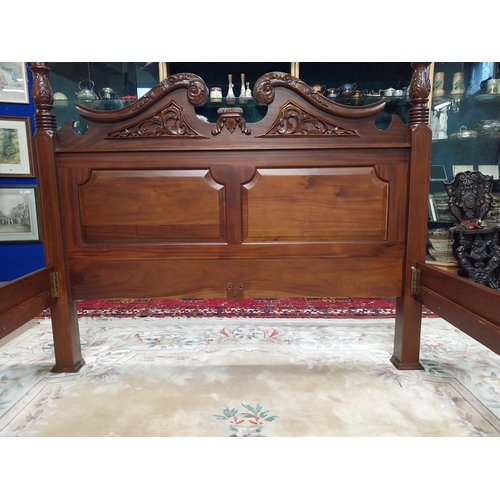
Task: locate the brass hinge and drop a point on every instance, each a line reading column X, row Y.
column 415, row 281
column 55, row 291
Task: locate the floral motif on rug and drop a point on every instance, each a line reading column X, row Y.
column 182, row 370
column 250, row 422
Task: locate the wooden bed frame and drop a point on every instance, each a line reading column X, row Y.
column 313, row 200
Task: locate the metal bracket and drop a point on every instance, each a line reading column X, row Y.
column 415, row 281
column 235, row 290
column 55, row 290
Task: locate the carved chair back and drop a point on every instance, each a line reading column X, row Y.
column 469, row 195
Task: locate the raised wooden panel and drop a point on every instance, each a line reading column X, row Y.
column 366, row 277
column 151, row 206
column 321, row 204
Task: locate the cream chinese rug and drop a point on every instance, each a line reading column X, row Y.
column 248, row 377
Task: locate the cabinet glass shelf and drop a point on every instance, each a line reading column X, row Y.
column 473, row 113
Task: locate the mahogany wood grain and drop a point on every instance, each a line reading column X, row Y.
column 468, row 296
column 209, row 251
column 124, row 206
column 24, row 297
column 408, row 310
column 262, row 278
column 329, row 204
column 313, row 200
column 63, row 311
column 465, row 320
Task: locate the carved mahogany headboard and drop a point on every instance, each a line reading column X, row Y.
column 313, row 200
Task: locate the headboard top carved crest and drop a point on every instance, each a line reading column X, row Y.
column 168, row 111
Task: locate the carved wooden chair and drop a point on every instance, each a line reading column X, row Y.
column 475, row 246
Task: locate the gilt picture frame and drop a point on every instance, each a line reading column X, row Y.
column 14, row 83
column 18, row 214
column 15, row 147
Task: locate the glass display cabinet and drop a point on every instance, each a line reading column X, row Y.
column 355, row 84
column 240, row 77
column 115, row 85
column 98, row 85
column 359, row 84
column 465, row 124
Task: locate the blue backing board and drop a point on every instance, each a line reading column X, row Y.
column 18, row 259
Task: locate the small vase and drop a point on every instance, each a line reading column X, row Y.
column 458, row 86
column 438, row 87
column 230, row 93
column 242, row 88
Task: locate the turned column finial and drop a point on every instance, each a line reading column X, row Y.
column 42, row 97
column 420, row 87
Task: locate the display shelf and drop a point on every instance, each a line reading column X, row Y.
column 471, row 110
column 252, row 110
column 132, row 80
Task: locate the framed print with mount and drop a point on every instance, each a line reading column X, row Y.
column 15, row 150
column 18, row 214
column 13, row 83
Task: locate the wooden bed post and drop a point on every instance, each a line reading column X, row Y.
column 63, row 312
column 409, row 310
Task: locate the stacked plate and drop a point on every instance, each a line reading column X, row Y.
column 443, row 210
column 441, row 246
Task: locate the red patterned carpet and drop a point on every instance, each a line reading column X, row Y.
column 245, row 308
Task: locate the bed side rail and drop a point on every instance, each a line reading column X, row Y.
column 22, row 299
column 455, row 299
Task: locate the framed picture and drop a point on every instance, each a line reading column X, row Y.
column 13, row 83
column 18, row 214
column 15, row 147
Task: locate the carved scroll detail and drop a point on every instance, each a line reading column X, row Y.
column 478, row 256
column 197, row 92
column 469, row 195
column 169, row 121
column 264, row 93
column 43, row 97
column 230, row 118
column 294, row 120
column 264, row 88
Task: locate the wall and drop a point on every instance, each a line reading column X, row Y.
column 17, row 259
